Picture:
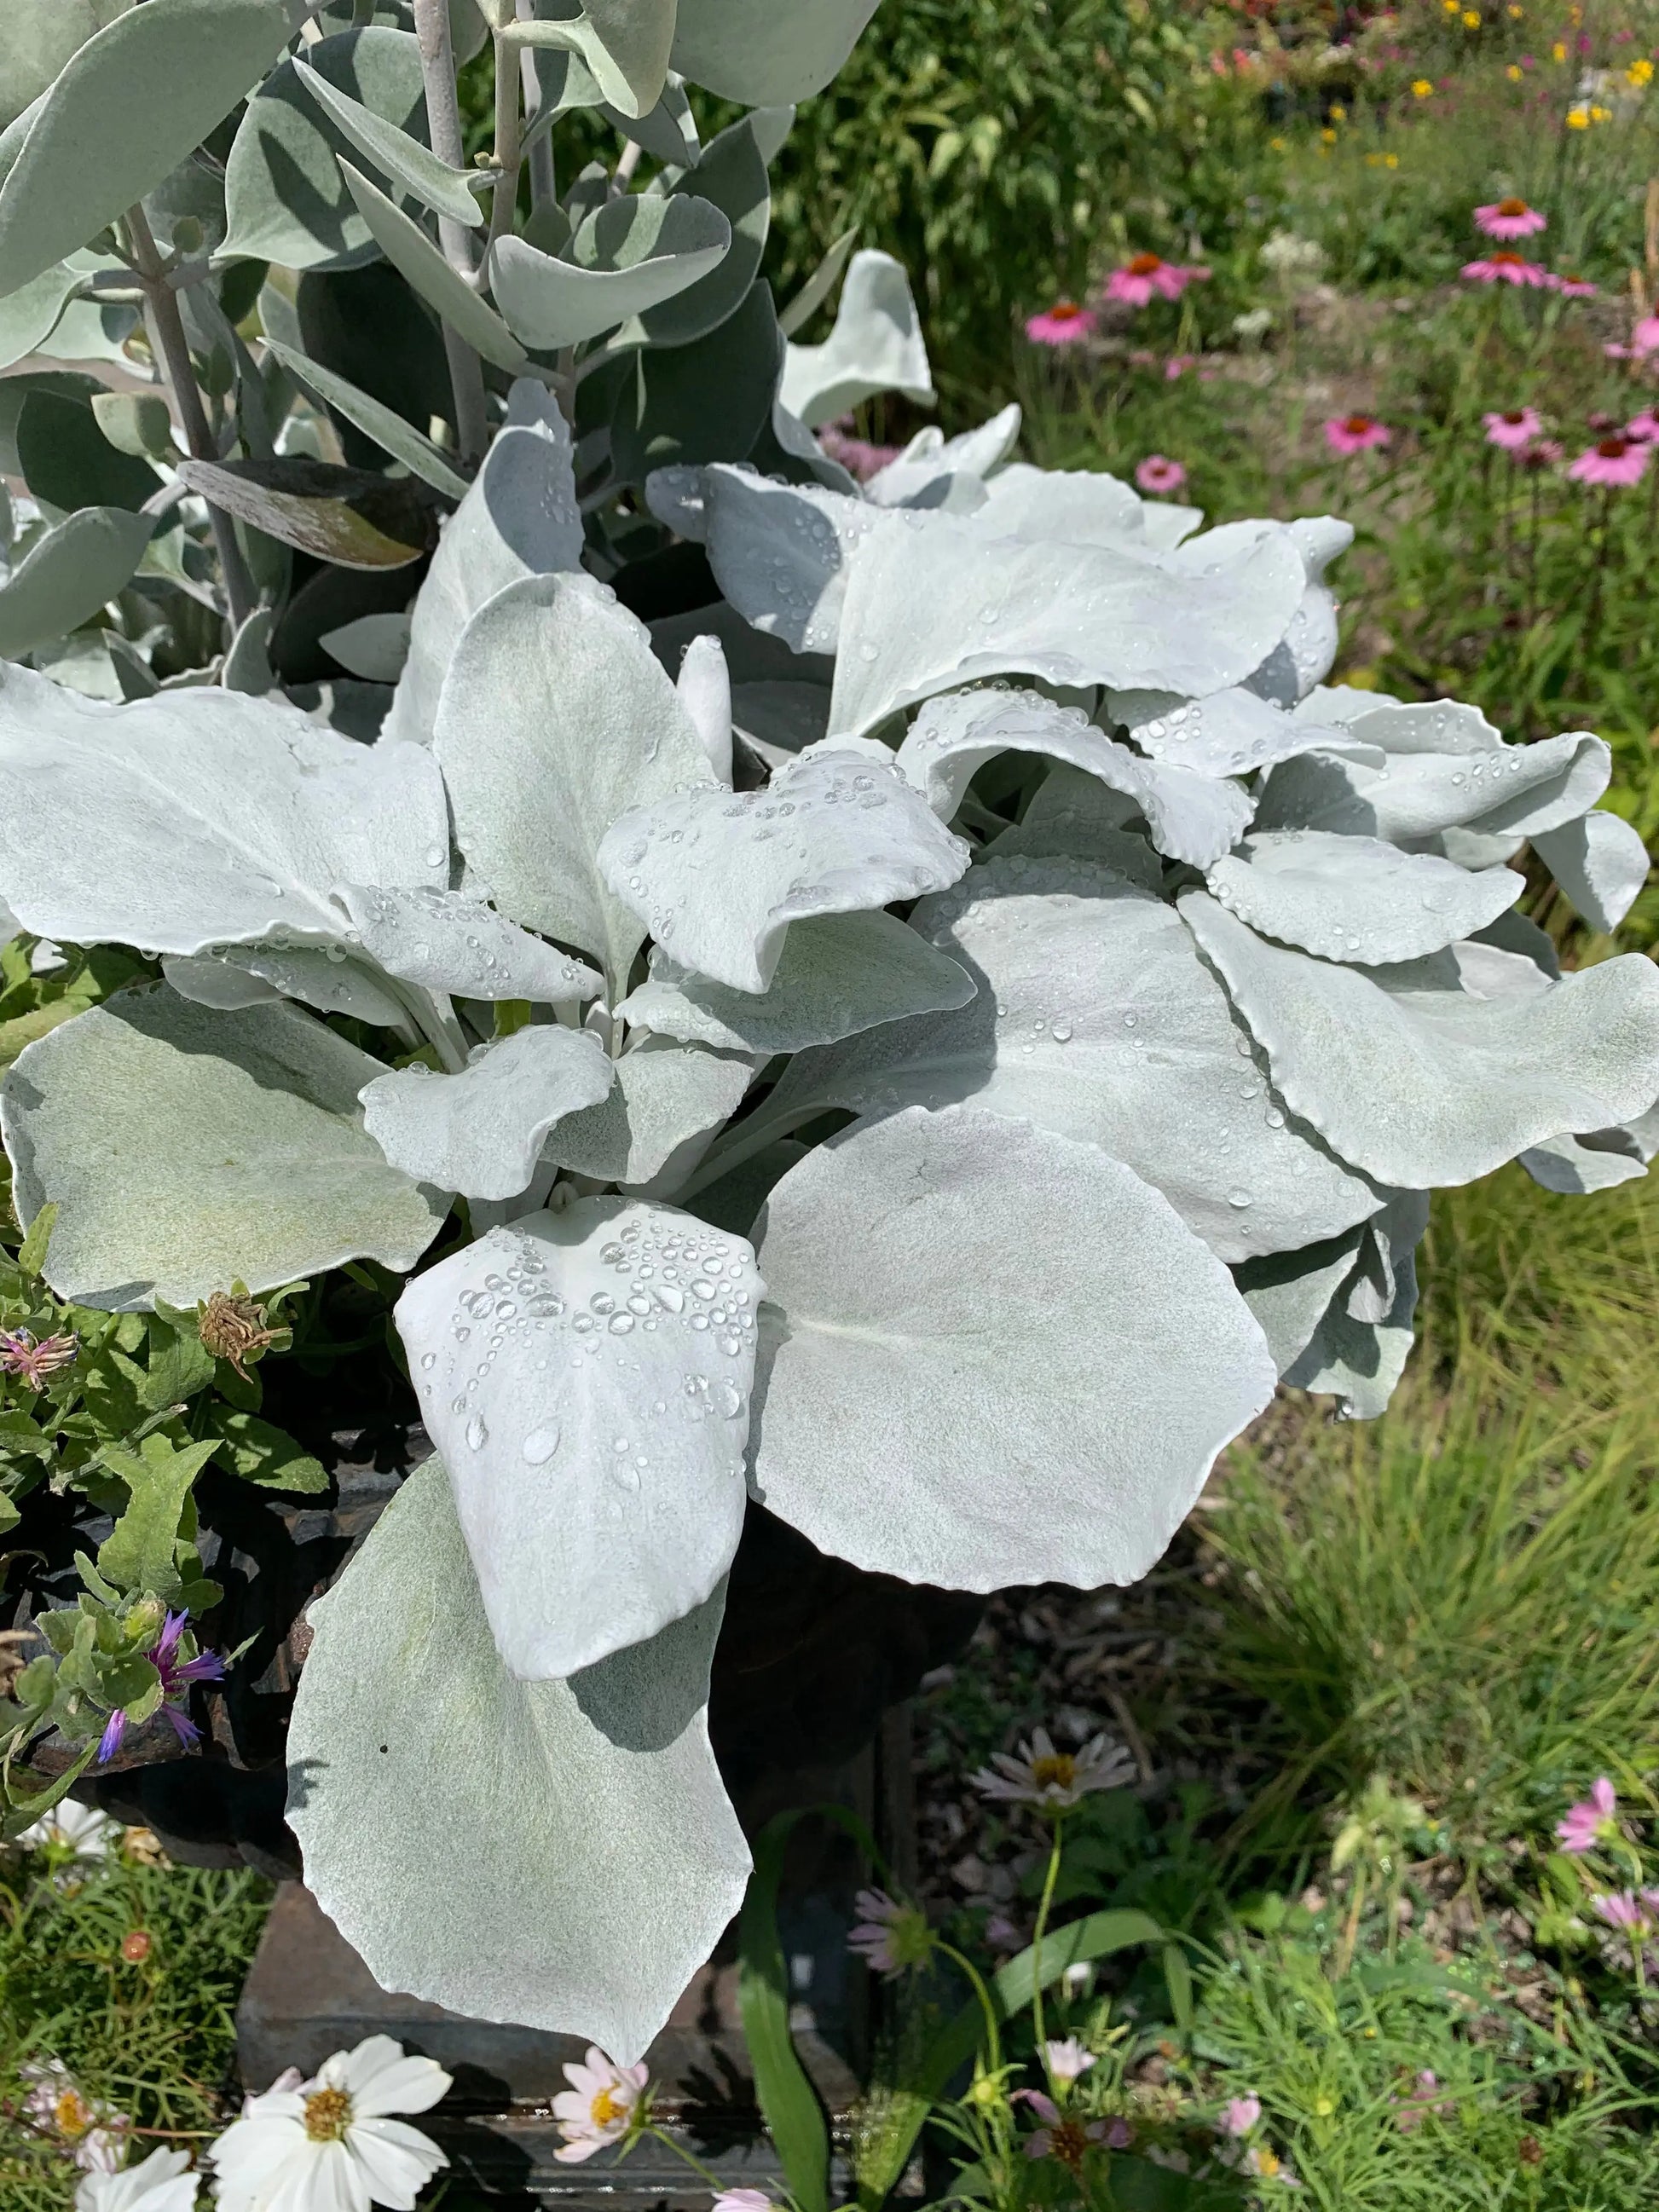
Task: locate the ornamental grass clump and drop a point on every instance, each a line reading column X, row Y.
column 910, row 1002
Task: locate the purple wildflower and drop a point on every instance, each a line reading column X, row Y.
column 178, row 1676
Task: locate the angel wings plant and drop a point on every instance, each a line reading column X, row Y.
column 924, row 1037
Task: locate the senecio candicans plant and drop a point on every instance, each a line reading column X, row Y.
column 925, row 1032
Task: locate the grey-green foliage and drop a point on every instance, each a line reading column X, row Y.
column 574, row 930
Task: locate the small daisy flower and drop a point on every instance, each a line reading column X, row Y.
column 1146, row 276
column 1067, row 2060
column 1505, row 268
column 1617, row 463
column 31, row 1359
column 178, row 1676
column 1591, row 1820
column 71, row 1826
column 891, row 1936
column 1238, row 2115
column 1512, row 431
column 1621, row 1909
column 57, row 2106
column 1063, row 325
column 331, row 2144
column 1158, row 474
column 164, row 2183
column 1509, row 218
column 600, row 2107
column 1355, row 434
column 1053, row 1781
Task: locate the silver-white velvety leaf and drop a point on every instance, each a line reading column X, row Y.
column 1596, row 1160
column 480, row 1132
column 1514, row 791
column 1358, row 1350
column 1357, row 898
column 558, row 718
column 1096, row 1019
column 717, row 875
column 520, row 518
column 1191, row 817
column 838, row 973
column 186, row 1147
column 199, row 817
column 1601, row 863
column 875, row 346
column 446, row 941
column 1232, row 732
column 606, row 1858
column 1422, row 1085
column 991, row 1354
column 928, row 609
column 586, row 1378
column 667, row 1099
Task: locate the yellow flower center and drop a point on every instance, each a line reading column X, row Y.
column 1057, row 1771
column 70, row 2115
column 328, row 2115
column 606, row 2110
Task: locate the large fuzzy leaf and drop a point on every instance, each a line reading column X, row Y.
column 666, row 1100
column 284, row 196
column 605, row 1857
column 1601, row 863
column 585, row 1377
column 132, row 104
column 717, row 875
column 730, row 182
column 765, row 53
column 622, row 45
column 1420, row 1084
column 445, row 941
column 200, row 818
column 781, row 553
column 875, row 346
column 186, row 1148
column 991, row 1355
column 1357, row 898
column 1338, row 1316
column 1517, row 791
column 925, row 613
column 480, row 1132
column 1191, row 817
column 1096, row 1018
column 383, row 424
column 406, row 160
column 630, row 255
column 1233, row 733
column 836, row 975
column 556, row 718
column 69, row 573
column 520, row 518
column 37, row 38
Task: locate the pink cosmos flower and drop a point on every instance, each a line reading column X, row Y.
column 1505, row 268
column 177, row 1676
column 32, row 1358
column 1644, row 338
column 1063, row 325
column 1177, row 365
column 1644, row 427
column 890, row 1936
column 1619, row 1908
column 1509, row 218
column 1514, row 430
column 1239, row 2116
column 1067, row 2060
column 1158, row 473
column 742, row 2200
column 1590, row 1821
column 599, row 2107
column 1571, row 287
column 857, row 455
column 1144, row 276
column 1616, row 462
column 1355, row 434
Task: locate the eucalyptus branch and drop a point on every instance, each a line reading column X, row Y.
column 172, row 352
column 506, row 156
column 444, row 124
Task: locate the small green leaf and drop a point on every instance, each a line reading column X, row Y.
column 261, row 1453
column 32, row 1252
column 135, row 422
column 179, row 1364
column 347, row 516
column 141, row 1553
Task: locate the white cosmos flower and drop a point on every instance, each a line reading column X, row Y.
column 330, row 2145
column 70, row 1825
column 164, row 2183
column 598, row 2106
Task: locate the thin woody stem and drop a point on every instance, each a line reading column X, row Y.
column 171, row 350
column 444, row 124
column 508, row 158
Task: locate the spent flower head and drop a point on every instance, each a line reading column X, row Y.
column 33, row 1360
column 1053, row 1781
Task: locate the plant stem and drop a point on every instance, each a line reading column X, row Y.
column 1048, row 1881
column 993, row 2033
column 507, row 155
column 543, row 179
column 692, row 2159
column 443, row 114
column 171, row 350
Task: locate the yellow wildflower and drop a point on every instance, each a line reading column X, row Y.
column 1578, row 118
column 1391, row 160
column 1515, row 14
column 1329, row 137
column 1471, row 20
column 1600, row 115
column 1339, row 113
column 1421, row 89
column 1513, row 73
column 1277, row 144
column 1559, row 52
column 1640, row 72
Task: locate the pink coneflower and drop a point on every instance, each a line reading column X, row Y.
column 177, row 1676
column 1515, row 430
column 1239, row 2116
column 1158, row 473
column 890, row 1936
column 1510, row 219
column 1591, row 1820
column 1644, row 338
column 1614, row 461
column 1644, row 428
column 31, row 1359
column 1505, row 268
column 1542, row 454
column 1177, row 365
column 856, row 455
column 1573, row 287
column 1063, row 325
column 1144, row 276
column 1355, row 434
